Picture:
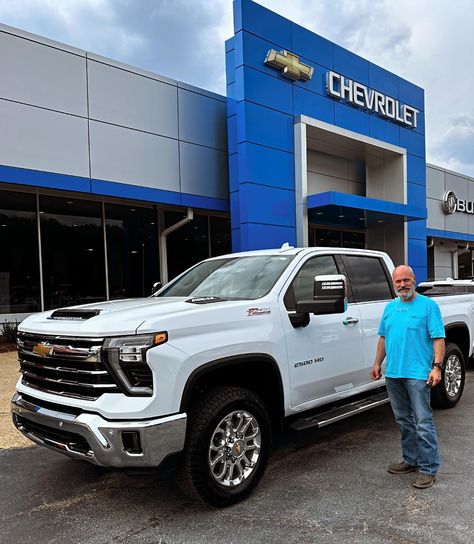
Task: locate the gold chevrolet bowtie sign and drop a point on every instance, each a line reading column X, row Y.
column 289, row 64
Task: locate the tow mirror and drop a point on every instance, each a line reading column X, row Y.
column 329, row 296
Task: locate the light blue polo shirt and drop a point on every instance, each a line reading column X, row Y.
column 409, row 329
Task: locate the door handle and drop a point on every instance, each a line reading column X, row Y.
column 350, row 321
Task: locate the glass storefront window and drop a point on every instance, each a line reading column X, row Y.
column 324, row 237
column 465, row 264
column 220, row 236
column 188, row 245
column 132, row 250
column 205, row 236
column 19, row 261
column 72, row 251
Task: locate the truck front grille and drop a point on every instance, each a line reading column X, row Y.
column 65, row 366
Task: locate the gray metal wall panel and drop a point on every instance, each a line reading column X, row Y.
column 330, row 165
column 43, row 140
column 435, row 186
column 443, row 272
column 38, row 74
column 330, row 173
column 458, row 184
column 130, row 156
column 471, row 224
column 202, row 120
column 320, row 183
column 436, row 216
column 457, row 222
column 356, row 171
column 204, row 171
column 132, row 100
column 356, row 188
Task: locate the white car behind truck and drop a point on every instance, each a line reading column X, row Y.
column 216, row 361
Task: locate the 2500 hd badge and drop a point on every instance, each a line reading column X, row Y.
column 309, row 361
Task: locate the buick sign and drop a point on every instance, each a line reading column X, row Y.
column 452, row 204
column 449, row 202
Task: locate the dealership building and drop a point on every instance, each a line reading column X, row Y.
column 113, row 178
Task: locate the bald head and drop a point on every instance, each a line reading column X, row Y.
column 403, row 269
column 404, row 282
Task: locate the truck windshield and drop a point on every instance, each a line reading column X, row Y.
column 231, row 278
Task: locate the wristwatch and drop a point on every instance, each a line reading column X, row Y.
column 438, row 365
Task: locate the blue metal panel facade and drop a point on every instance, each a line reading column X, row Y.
column 51, row 180
column 262, row 106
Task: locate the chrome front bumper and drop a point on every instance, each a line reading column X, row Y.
column 92, row 438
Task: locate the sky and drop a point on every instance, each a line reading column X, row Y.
column 428, row 42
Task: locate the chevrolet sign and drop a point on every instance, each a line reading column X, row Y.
column 356, row 94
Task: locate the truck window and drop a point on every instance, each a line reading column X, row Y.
column 368, row 278
column 443, row 290
column 302, row 285
column 229, row 278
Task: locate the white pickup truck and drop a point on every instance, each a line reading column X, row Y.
column 215, row 362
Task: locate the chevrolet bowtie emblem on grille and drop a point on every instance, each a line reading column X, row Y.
column 289, row 64
column 43, row 349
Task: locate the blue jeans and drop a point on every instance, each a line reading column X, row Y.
column 410, row 400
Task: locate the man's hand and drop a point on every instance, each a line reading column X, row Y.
column 434, row 377
column 376, row 372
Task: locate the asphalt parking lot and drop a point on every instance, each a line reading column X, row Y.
column 322, row 486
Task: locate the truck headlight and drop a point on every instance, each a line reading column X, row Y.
column 125, row 357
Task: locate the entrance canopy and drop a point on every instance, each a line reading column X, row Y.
column 333, row 208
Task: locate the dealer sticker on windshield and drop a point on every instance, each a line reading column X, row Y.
column 258, row 311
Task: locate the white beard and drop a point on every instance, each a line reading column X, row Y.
column 405, row 295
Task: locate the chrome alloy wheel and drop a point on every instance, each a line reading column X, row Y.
column 452, row 375
column 234, row 448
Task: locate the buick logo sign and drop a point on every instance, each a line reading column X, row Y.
column 449, row 202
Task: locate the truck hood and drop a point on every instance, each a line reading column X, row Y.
column 124, row 316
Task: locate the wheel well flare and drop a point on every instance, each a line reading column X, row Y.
column 257, row 372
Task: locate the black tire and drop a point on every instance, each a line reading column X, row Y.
column 205, row 423
column 448, row 393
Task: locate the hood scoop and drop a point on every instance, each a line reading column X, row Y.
column 74, row 314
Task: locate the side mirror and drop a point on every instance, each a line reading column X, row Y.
column 156, row 286
column 329, row 296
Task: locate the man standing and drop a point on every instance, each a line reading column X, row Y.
column 412, row 337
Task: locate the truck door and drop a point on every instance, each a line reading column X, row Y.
column 372, row 291
column 325, row 357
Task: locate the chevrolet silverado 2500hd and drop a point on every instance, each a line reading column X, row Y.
column 217, row 360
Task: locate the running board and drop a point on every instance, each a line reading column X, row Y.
column 341, row 412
